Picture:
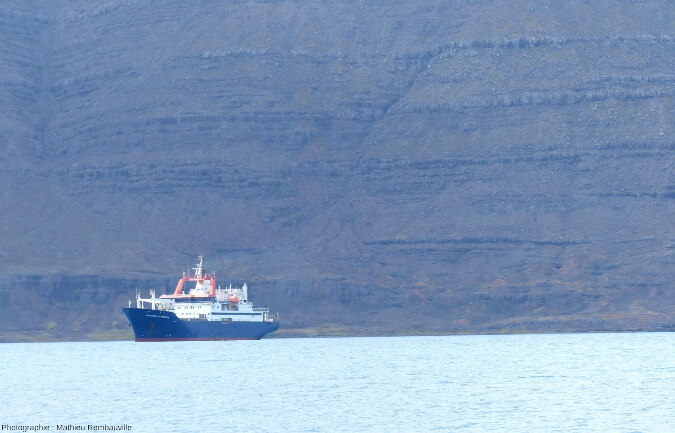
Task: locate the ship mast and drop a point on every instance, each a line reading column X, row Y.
column 199, row 270
column 200, row 278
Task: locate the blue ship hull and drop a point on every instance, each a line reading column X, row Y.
column 156, row 325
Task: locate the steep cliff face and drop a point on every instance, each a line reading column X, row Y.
column 457, row 166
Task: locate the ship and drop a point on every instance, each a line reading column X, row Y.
column 198, row 311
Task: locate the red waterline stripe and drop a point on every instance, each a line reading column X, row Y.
column 191, row 339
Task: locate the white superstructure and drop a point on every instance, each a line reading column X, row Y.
column 204, row 302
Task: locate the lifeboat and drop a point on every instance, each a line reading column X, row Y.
column 233, row 299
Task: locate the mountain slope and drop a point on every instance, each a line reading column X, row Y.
column 460, row 166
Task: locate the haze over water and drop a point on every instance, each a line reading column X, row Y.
column 536, row 383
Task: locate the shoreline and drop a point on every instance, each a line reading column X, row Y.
column 316, row 333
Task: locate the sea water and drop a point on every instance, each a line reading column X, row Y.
column 506, row 383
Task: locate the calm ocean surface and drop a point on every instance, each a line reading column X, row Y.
column 517, row 383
